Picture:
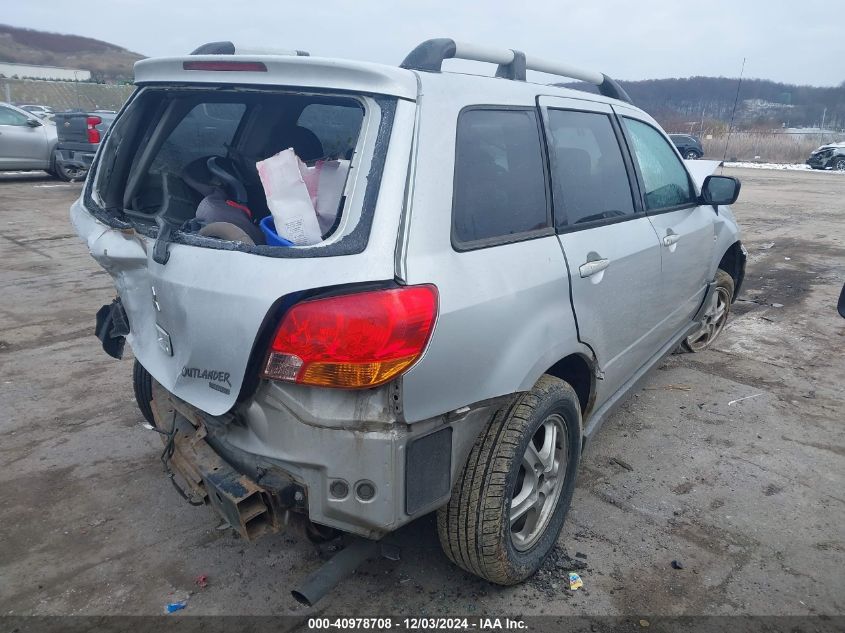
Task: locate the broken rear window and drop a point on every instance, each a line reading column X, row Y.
column 190, row 156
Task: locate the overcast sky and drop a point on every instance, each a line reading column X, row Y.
column 794, row 41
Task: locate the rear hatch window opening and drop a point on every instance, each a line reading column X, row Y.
column 154, row 167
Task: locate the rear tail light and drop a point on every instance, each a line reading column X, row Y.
column 353, row 341
column 93, row 133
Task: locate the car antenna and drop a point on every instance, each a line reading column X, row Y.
column 733, row 112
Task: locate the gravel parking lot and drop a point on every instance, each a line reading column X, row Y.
column 730, row 461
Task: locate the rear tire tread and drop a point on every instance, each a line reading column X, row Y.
column 475, row 543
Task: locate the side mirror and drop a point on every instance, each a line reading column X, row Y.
column 841, row 305
column 33, row 123
column 720, row 190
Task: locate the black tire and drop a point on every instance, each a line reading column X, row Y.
column 724, row 294
column 142, row 382
column 692, row 155
column 839, row 164
column 474, row 527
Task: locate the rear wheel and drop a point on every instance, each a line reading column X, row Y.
column 715, row 316
column 692, row 155
column 839, row 164
column 142, row 382
column 509, row 503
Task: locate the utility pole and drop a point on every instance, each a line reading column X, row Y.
column 76, row 90
column 821, row 129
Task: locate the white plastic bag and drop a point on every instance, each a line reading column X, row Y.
column 325, row 182
column 288, row 199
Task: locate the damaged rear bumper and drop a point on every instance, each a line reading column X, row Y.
column 202, row 475
column 262, row 465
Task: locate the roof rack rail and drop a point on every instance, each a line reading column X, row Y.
column 228, row 48
column 512, row 64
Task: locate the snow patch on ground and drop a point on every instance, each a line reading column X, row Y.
column 795, row 167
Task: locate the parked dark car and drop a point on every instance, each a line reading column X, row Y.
column 689, row 146
column 831, row 156
column 79, row 136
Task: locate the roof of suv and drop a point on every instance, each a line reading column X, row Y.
column 362, row 77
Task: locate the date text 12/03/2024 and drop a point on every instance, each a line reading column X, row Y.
column 413, row 624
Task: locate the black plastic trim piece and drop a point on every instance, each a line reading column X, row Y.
column 515, row 70
column 429, row 55
column 112, row 327
column 215, row 48
column 428, row 467
column 610, row 88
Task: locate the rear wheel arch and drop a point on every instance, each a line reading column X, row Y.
column 577, row 370
column 733, row 263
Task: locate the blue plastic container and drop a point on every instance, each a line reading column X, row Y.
column 269, row 230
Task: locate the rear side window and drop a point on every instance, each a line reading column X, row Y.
column 588, row 173
column 665, row 180
column 500, row 186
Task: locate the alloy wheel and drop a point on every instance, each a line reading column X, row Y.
column 542, row 473
column 714, row 320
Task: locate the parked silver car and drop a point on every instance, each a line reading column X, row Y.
column 508, row 260
column 41, row 111
column 26, row 142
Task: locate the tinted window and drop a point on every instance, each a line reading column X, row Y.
column 666, row 181
column 588, row 173
column 500, row 185
column 10, row 117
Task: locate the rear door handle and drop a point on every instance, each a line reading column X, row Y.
column 670, row 239
column 591, row 268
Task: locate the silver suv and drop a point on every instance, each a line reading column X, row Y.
column 505, row 262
